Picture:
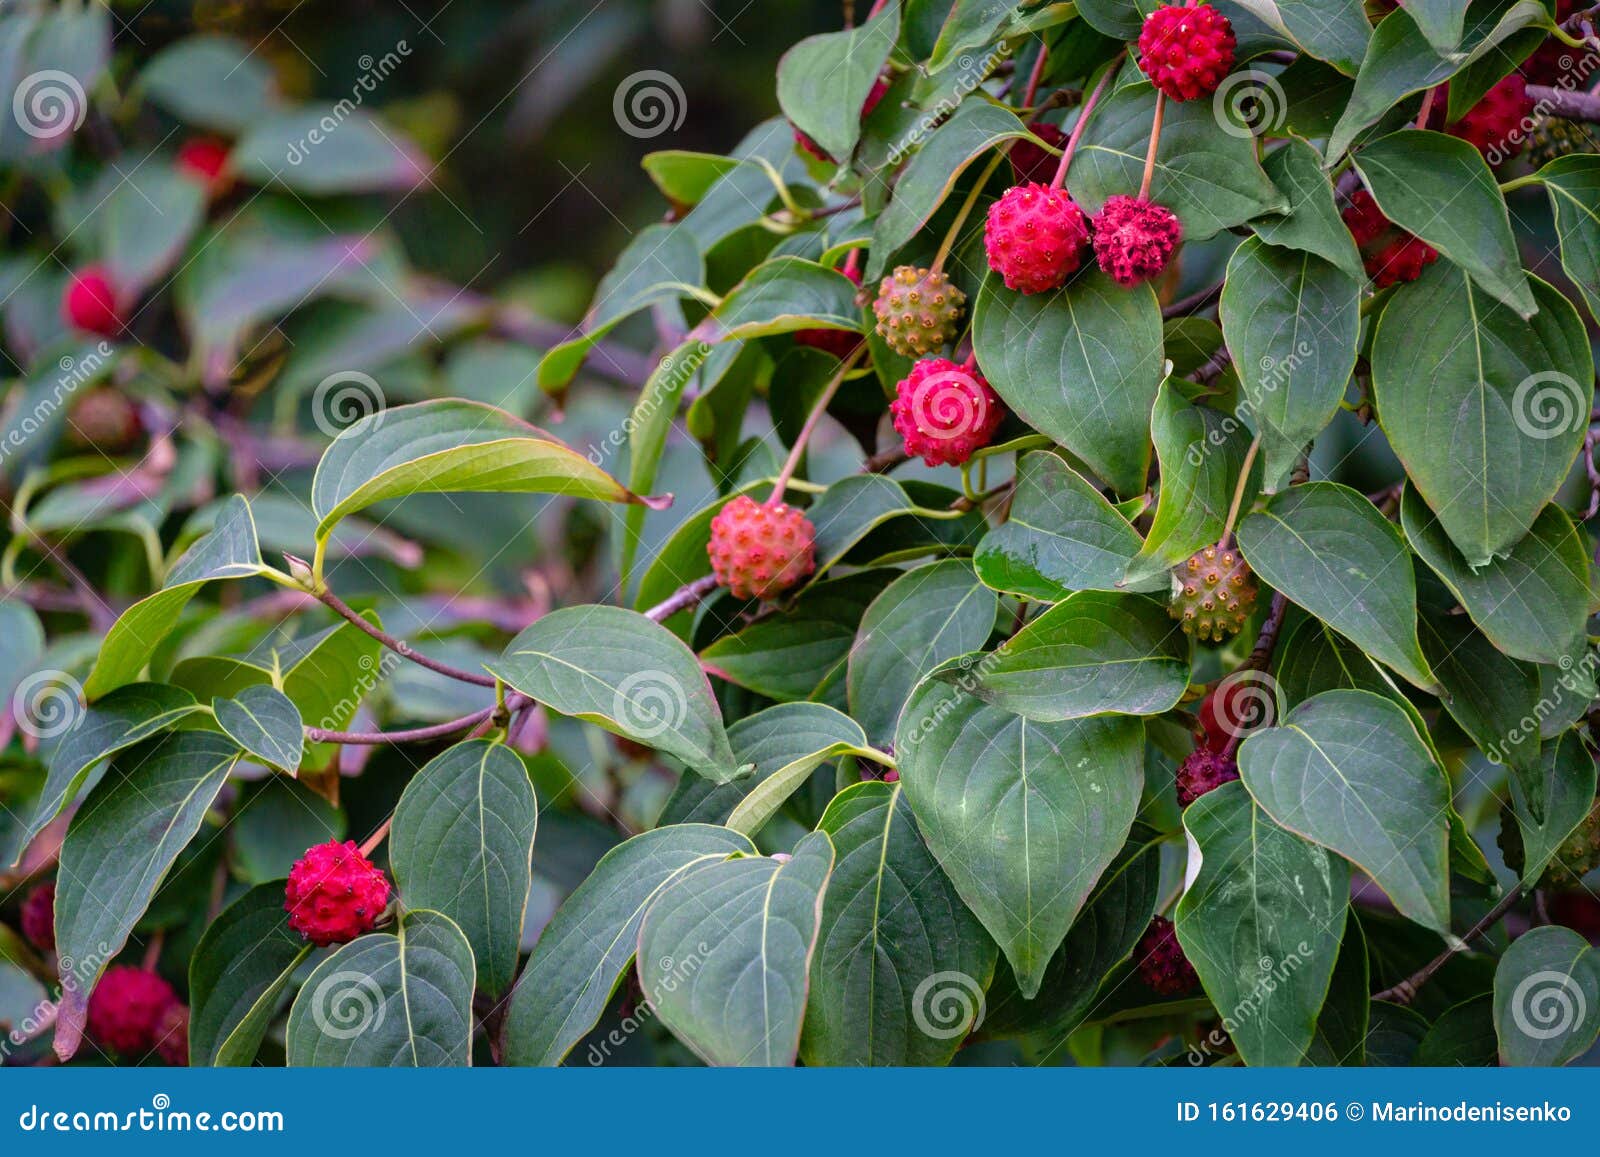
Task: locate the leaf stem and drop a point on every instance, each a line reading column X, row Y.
column 966, row 211
column 792, row 463
column 1238, row 491
column 370, row 844
column 1032, row 89
column 1082, row 123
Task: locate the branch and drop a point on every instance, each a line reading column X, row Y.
column 514, row 702
column 1568, row 103
column 686, row 596
column 1407, row 989
column 1194, row 303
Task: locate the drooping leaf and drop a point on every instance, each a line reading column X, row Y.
column 118, row 849
column 265, row 722
column 1261, row 922
column 400, row 1000
column 1440, row 21
column 632, row 676
column 1081, row 365
column 1550, row 800
column 590, row 941
column 1328, row 549
column 1547, row 997
column 237, row 974
column 725, row 953
column 1023, row 817
column 1348, row 770
column 462, row 844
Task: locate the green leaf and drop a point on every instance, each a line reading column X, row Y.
column 1205, row 173
column 824, row 80
column 146, row 222
column 266, row 723
column 780, row 296
column 589, row 942
column 786, row 744
column 1333, row 30
column 300, row 151
column 388, row 1001
column 1312, row 223
column 274, row 822
column 648, row 427
column 1532, row 603
column 118, row 849
column 1551, row 800
column 237, row 973
column 444, row 447
column 228, row 552
column 923, row 618
column 1348, row 770
column 1487, row 692
column 1573, row 183
column 215, row 82
column 1023, row 817
column 1440, row 21
column 1261, row 922
column 1547, row 997
column 1081, row 365
column 968, row 25
column 725, row 953
column 1462, row 1036
column 1412, row 173
column 686, row 177
column 124, row 717
column 462, row 844
column 634, row 677
column 1328, row 549
column 1093, row 653
column 976, row 127
column 1201, row 452
column 1514, row 396
column 1291, row 321
column 1062, row 536
column 850, row 509
column 901, row 965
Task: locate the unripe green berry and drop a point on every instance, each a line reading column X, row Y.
column 919, row 311
column 1213, row 593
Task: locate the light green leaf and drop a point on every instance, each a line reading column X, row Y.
column 215, row 82
column 780, row 296
column 237, row 973
column 266, row 723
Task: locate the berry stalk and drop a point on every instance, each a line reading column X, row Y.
column 1155, row 139
column 1238, row 492
column 1060, row 178
column 966, row 211
column 793, row 461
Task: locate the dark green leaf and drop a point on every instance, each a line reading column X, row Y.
column 1312, row 223
column 1547, row 998
column 237, row 974
column 265, row 722
column 824, row 80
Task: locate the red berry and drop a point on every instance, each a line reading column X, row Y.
column 1032, row 164
column 1186, row 51
column 759, row 551
column 1389, row 253
column 874, row 98
column 838, row 342
column 334, row 894
column 944, row 411
column 39, row 917
column 1236, row 706
column 1035, row 237
column 90, row 302
column 126, row 1008
column 1134, row 238
column 1162, row 965
column 1364, row 219
column 1203, row 770
column 206, row 160
column 172, row 1035
column 1498, row 125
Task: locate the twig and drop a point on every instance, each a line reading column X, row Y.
column 414, row 735
column 1405, row 992
column 686, row 596
column 885, row 460
column 1569, row 104
column 1212, row 367
column 1239, row 489
column 799, row 448
column 1194, row 303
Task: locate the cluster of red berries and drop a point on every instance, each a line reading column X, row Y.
column 334, row 894
column 1161, row 962
column 759, row 551
column 132, row 1012
column 1497, row 126
column 1389, row 253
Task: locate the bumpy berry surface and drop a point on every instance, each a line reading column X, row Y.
column 126, row 1007
column 1579, row 853
column 918, row 311
column 1389, row 253
column 206, row 160
column 1494, row 126
column 1134, row 238
column 39, row 917
column 1186, row 51
column 105, row 419
column 1212, row 593
column 1201, row 771
column 838, row 342
column 90, row 302
column 1032, row 164
column 879, row 89
column 944, row 411
column 760, row 551
column 172, row 1034
column 1162, row 965
column 1035, row 237
column 334, row 894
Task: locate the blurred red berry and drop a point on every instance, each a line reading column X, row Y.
column 90, row 302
